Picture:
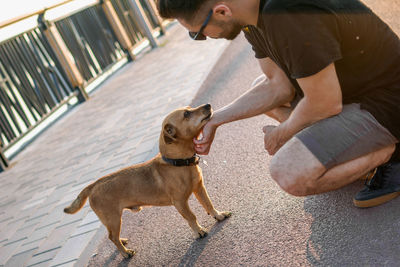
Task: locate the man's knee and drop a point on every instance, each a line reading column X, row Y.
column 294, row 185
column 295, row 169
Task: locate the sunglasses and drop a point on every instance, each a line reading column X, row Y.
column 199, row 36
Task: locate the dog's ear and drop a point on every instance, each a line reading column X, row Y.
column 169, row 133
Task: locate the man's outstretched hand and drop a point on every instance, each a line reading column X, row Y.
column 203, row 145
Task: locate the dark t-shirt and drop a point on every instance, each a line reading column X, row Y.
column 305, row 36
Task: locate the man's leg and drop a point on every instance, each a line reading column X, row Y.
column 335, row 152
column 300, row 173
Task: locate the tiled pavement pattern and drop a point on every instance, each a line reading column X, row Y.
column 117, row 127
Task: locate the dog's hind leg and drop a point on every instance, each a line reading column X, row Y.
column 114, row 230
column 183, row 207
column 112, row 221
column 202, row 195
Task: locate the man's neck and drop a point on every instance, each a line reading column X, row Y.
column 247, row 11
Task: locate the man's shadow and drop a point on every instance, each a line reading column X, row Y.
column 343, row 235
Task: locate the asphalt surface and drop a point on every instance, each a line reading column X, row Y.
column 268, row 227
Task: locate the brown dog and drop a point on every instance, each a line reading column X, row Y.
column 167, row 179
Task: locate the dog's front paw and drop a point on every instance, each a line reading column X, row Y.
column 128, row 253
column 202, row 233
column 223, row 215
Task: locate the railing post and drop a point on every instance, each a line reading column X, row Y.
column 155, row 15
column 63, row 55
column 4, row 163
column 143, row 21
column 119, row 30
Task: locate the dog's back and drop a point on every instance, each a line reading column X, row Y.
column 117, row 185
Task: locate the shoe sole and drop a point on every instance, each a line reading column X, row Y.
column 375, row 201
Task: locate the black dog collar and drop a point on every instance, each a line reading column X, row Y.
column 183, row 162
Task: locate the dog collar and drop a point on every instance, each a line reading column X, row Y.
column 182, row 162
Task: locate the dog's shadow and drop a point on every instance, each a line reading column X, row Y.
column 198, row 245
column 191, row 255
column 124, row 262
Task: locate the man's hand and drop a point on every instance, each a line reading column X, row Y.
column 274, row 138
column 203, row 145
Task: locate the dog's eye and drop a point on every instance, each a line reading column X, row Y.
column 186, row 114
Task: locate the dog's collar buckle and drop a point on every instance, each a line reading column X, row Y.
column 183, row 162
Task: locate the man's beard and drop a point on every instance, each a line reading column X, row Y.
column 234, row 32
column 231, row 30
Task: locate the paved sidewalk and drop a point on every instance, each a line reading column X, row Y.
column 117, row 127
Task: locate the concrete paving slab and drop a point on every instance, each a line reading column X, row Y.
column 42, row 259
column 20, row 258
column 73, row 248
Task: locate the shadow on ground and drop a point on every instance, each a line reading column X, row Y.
column 344, row 235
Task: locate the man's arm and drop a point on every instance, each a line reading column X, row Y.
column 322, row 99
column 274, row 92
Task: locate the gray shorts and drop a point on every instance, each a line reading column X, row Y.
column 352, row 133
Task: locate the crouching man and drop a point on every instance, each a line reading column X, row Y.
column 331, row 77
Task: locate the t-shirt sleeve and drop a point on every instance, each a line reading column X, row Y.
column 306, row 41
column 253, row 37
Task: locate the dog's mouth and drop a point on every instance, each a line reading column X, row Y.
column 207, row 118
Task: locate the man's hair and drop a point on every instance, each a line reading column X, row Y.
column 182, row 9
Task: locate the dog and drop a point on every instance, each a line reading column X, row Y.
column 168, row 179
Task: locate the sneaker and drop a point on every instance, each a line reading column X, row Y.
column 382, row 187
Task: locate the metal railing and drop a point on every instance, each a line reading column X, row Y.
column 91, row 41
column 139, row 18
column 125, row 14
column 32, row 84
column 45, row 66
column 148, row 8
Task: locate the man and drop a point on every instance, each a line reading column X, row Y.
column 332, row 78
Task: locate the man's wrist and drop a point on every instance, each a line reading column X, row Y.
column 216, row 119
column 287, row 130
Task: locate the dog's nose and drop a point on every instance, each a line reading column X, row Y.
column 207, row 107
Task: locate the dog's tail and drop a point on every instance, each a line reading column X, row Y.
column 78, row 203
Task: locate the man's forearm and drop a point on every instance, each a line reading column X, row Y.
column 322, row 99
column 304, row 115
column 258, row 100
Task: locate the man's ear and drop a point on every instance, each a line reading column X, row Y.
column 169, row 133
column 222, row 10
